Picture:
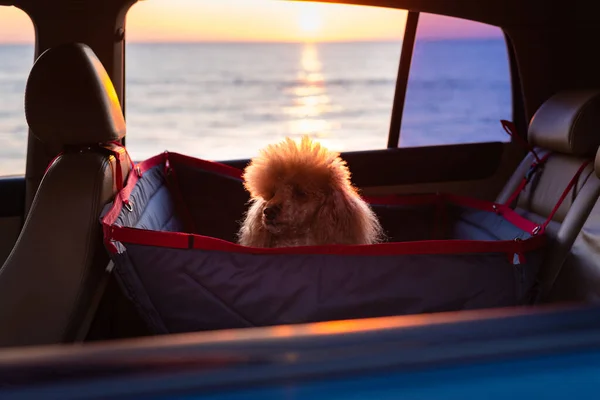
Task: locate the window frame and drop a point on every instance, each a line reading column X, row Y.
column 406, row 55
column 408, row 46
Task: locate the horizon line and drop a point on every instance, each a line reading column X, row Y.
column 241, row 41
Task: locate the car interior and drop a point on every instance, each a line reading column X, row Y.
column 56, row 285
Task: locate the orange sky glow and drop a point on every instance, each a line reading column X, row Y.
column 259, row 20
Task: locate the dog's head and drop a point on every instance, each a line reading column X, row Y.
column 292, row 184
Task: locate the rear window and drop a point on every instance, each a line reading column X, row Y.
column 266, row 70
column 220, row 80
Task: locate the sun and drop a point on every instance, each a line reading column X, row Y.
column 310, row 20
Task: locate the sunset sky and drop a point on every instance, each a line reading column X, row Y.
column 259, row 20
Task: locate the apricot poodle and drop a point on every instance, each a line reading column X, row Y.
column 301, row 195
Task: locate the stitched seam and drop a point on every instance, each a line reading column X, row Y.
column 228, row 307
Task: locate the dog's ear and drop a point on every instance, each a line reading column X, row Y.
column 252, row 232
column 346, row 219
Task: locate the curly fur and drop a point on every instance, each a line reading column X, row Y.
column 311, row 189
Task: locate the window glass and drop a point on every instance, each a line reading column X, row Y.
column 459, row 84
column 17, row 39
column 220, row 80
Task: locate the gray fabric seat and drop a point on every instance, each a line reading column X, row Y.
column 568, row 125
column 48, row 282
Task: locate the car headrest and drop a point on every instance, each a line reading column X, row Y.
column 70, row 99
column 568, row 122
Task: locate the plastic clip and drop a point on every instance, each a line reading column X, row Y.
column 128, row 205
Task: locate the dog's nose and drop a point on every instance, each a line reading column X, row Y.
column 271, row 212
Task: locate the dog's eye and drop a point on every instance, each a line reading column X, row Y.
column 299, row 193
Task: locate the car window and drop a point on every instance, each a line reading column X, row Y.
column 459, row 85
column 267, row 70
column 17, row 39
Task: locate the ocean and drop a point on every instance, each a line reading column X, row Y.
column 226, row 101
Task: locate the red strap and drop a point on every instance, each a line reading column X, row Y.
column 511, row 129
column 115, row 153
column 536, row 164
column 118, row 173
column 121, row 147
column 185, row 241
column 564, row 195
column 119, row 153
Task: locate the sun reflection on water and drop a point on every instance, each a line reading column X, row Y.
column 310, row 101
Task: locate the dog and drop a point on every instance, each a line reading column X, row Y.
column 301, row 195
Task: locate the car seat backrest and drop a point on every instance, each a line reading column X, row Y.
column 579, row 277
column 568, row 126
column 48, row 282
